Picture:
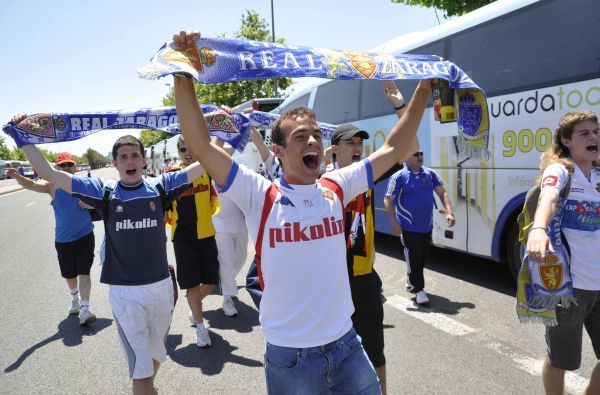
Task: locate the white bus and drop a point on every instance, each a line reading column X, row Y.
column 536, row 60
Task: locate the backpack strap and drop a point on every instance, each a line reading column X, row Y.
column 108, row 188
column 565, row 191
column 270, row 197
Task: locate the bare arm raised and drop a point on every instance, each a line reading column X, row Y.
column 193, row 125
column 41, row 186
column 397, row 145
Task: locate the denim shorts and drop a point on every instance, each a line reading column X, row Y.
column 564, row 340
column 340, row 366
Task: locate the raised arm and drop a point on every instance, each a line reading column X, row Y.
column 397, row 145
column 41, row 186
column 60, row 179
column 258, row 141
column 394, row 96
column 193, row 125
column 194, row 171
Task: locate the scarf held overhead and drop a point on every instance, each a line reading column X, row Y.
column 46, row 128
column 211, row 60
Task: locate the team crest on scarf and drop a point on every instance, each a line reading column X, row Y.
column 551, row 272
column 191, row 56
column 222, row 122
column 362, row 62
column 42, row 125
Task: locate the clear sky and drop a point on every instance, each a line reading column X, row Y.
column 79, row 55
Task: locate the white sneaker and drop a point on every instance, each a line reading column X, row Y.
column 229, row 307
column 86, row 317
column 202, row 337
column 75, row 307
column 422, row 297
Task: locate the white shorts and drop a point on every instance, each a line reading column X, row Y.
column 233, row 251
column 143, row 316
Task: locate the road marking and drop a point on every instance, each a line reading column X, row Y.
column 31, row 204
column 435, row 319
column 574, row 383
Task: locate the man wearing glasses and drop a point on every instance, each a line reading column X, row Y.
column 409, row 204
column 74, row 237
column 193, row 237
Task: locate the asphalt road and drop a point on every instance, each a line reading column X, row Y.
column 468, row 341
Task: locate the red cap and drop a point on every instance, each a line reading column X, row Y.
column 64, row 157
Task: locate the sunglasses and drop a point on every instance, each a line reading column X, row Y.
column 68, row 164
column 418, row 154
column 183, row 150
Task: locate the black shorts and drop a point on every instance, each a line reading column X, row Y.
column 197, row 262
column 368, row 315
column 564, row 340
column 76, row 257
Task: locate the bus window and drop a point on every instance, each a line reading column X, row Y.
column 531, row 52
column 336, row 102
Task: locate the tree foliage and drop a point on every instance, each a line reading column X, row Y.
column 94, row 158
column 253, row 27
column 149, row 137
column 449, row 7
column 4, row 150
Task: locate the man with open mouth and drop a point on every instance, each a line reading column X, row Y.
column 306, row 307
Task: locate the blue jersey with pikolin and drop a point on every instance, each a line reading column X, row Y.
column 414, row 199
column 72, row 221
column 133, row 215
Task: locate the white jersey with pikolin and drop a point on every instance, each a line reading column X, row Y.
column 306, row 300
column 580, row 221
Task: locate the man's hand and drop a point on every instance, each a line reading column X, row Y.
column 391, row 92
column 396, row 228
column 537, row 244
column 16, row 119
column 10, row 172
column 450, row 220
column 186, row 37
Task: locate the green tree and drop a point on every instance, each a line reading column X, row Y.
column 4, row 150
column 94, row 158
column 450, row 7
column 253, row 27
column 49, row 155
column 17, row 154
column 149, row 137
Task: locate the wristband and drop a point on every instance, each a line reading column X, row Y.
column 537, row 227
column 400, row 107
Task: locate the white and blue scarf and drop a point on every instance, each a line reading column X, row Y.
column 46, row 128
column 214, row 60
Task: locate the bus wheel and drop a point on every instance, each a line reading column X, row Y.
column 514, row 251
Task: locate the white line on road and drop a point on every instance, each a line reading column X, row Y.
column 31, row 204
column 574, row 383
column 437, row 320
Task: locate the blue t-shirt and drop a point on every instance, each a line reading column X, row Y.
column 136, row 252
column 72, row 221
column 414, row 199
